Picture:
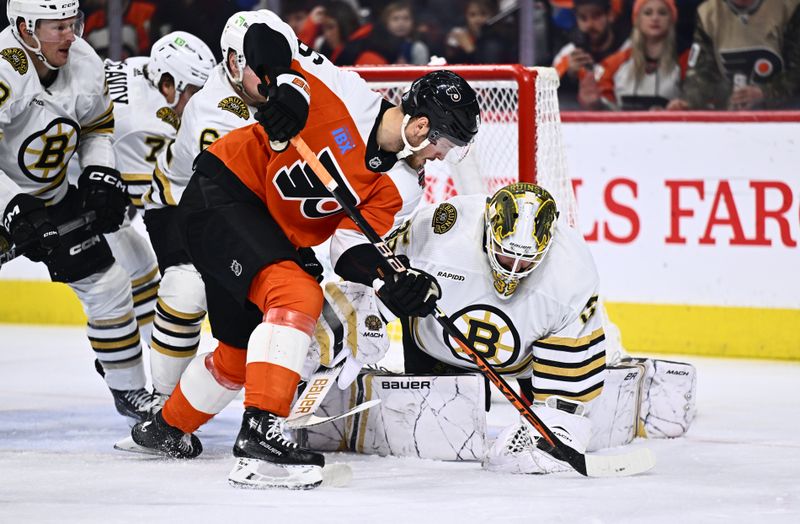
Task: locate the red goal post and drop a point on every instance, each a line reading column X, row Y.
column 520, row 135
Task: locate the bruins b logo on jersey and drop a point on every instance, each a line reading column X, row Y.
column 491, row 332
column 235, row 105
column 17, row 58
column 43, row 156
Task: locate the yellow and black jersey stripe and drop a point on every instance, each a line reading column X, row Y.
column 572, row 368
column 102, row 124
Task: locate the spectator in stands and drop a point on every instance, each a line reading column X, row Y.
column 578, row 63
column 398, row 21
column 135, row 28
column 296, row 14
column 346, row 42
column 461, row 43
column 647, row 74
column 745, row 55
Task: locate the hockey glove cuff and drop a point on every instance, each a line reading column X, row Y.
column 103, row 191
column 26, row 220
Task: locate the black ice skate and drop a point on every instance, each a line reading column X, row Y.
column 156, row 437
column 266, row 459
column 134, row 403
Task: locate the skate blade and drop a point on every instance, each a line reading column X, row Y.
column 259, row 474
column 127, row 444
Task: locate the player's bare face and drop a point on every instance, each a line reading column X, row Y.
column 56, row 38
column 654, row 20
column 250, row 82
column 187, row 94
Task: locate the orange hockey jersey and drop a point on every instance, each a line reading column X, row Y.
column 342, row 115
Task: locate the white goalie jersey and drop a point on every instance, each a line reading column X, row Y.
column 210, row 114
column 548, row 328
column 145, row 124
column 42, row 127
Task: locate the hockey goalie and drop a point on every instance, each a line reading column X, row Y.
column 523, row 288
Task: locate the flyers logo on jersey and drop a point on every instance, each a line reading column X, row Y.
column 298, row 182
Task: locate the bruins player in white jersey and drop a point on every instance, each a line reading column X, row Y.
column 523, row 289
column 226, row 102
column 149, row 96
column 53, row 104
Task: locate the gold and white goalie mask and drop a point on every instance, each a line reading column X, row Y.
column 520, row 222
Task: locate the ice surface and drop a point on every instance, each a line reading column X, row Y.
column 739, row 463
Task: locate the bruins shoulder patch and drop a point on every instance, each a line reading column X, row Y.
column 17, row 58
column 168, row 115
column 443, row 218
column 235, row 105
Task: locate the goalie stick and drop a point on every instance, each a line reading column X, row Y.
column 302, row 415
column 9, row 252
column 632, row 463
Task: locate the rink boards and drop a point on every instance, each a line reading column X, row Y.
column 694, row 226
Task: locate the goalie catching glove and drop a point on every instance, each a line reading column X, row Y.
column 349, row 329
column 412, row 293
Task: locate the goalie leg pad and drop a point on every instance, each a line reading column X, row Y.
column 111, row 328
column 179, row 314
column 668, row 398
column 431, row 417
column 614, row 414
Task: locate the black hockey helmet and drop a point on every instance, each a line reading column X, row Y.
column 450, row 104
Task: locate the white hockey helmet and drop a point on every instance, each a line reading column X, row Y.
column 520, row 221
column 233, row 39
column 184, row 56
column 31, row 11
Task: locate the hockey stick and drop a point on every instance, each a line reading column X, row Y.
column 627, row 464
column 67, row 227
column 302, row 415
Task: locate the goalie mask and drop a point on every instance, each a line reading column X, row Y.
column 33, row 12
column 520, row 221
column 184, row 56
column 451, row 106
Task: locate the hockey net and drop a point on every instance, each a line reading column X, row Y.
column 519, row 139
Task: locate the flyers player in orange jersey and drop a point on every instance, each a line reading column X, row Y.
column 252, row 202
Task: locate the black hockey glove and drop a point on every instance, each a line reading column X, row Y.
column 412, row 293
column 285, row 112
column 103, row 191
column 31, row 230
column 309, row 263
